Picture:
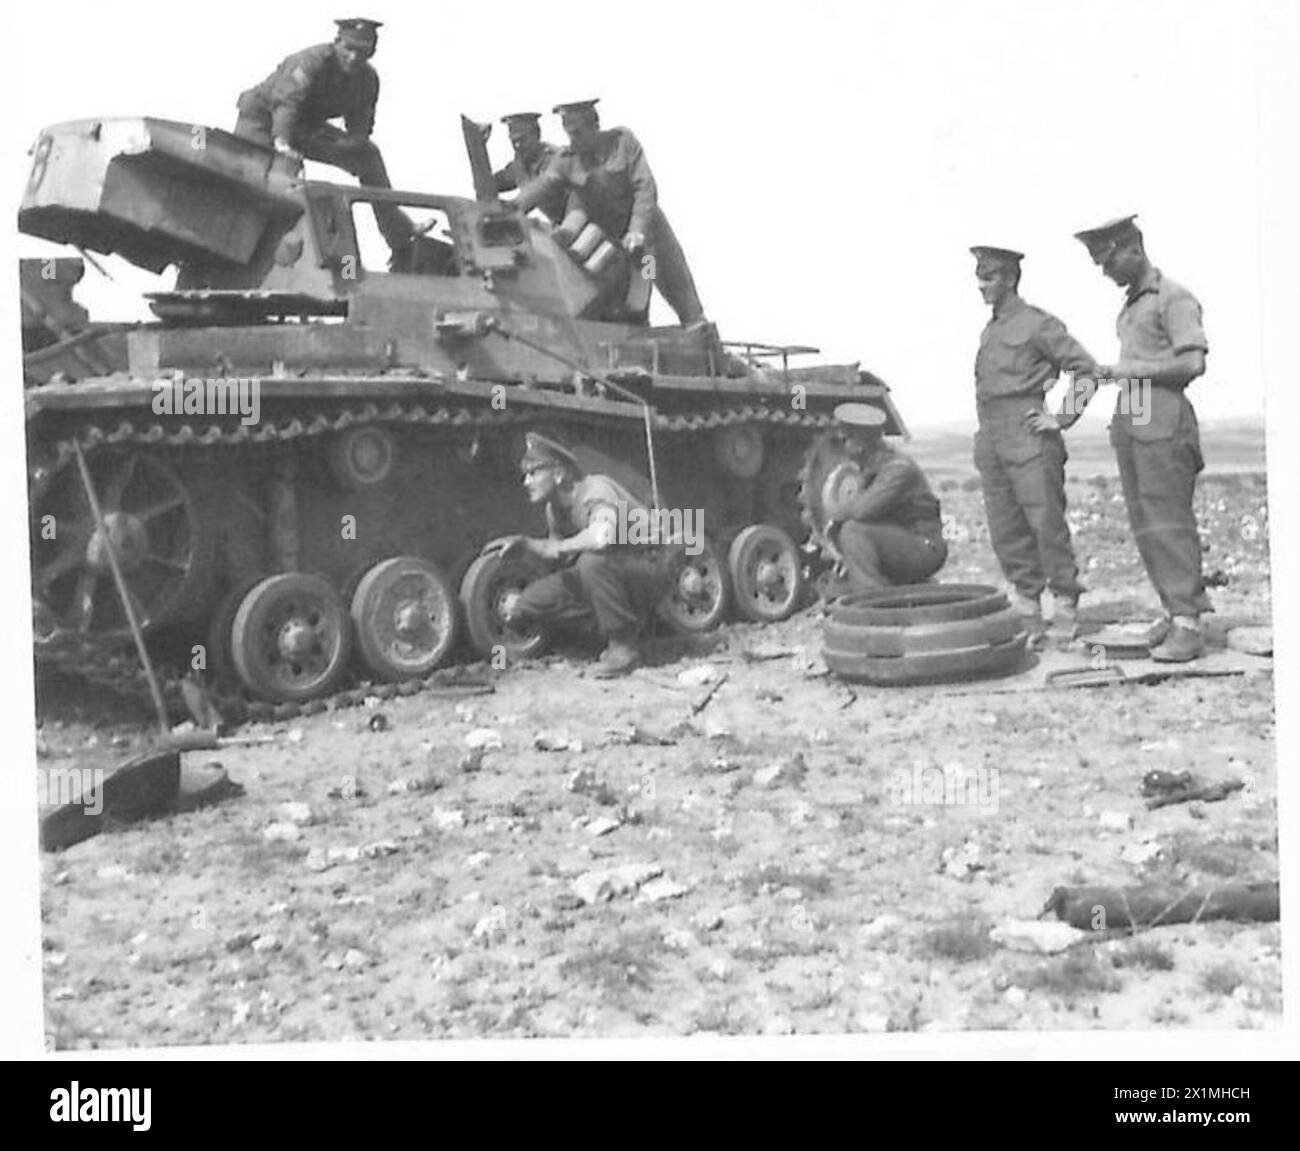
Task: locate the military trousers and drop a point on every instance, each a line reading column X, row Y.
column 619, row 588
column 672, row 275
column 1024, row 503
column 358, row 157
column 880, row 555
column 1158, row 478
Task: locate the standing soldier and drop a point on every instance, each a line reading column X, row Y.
column 890, row 532
column 1162, row 349
column 1021, row 459
column 533, row 156
column 290, row 111
column 617, row 583
column 606, row 174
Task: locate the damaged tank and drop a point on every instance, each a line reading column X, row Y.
column 299, row 462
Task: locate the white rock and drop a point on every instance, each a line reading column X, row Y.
column 282, row 833
column 484, row 737
column 295, row 736
column 333, row 961
column 299, row 813
column 602, row 825
column 343, row 854
column 114, row 871
column 317, row 860
column 1251, row 640
column 556, row 741
column 266, row 943
column 493, row 927
column 477, row 860
column 698, row 675
column 1140, row 853
column 1015, row 997
column 379, row 847
column 447, row 818
column 658, row 889
column 879, row 927
column 1039, row 936
column 678, row 938
column 707, row 920
column 1114, row 820
column 355, row 959
column 597, row 886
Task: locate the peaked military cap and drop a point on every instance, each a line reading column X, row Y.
column 576, row 106
column 531, row 117
column 993, row 259
column 860, row 415
column 541, row 451
column 1102, row 240
column 360, row 31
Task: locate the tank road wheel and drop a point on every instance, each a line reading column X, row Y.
column 404, row 611
column 700, row 593
column 738, row 449
column 290, row 638
column 156, row 532
column 766, row 573
column 488, row 581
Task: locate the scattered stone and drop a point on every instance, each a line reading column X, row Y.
column 790, row 893
column 678, row 938
column 282, row 833
column 961, row 862
column 349, row 790
column 295, row 735
column 659, row 889
column 720, row 968
column 698, row 675
column 761, row 652
column 299, row 813
column 240, row 1015
column 724, row 765
column 264, row 943
column 494, row 926
column 602, row 826
column 378, row 722
column 568, row 901
column 114, row 871
column 788, row 771
column 56, row 959
column 471, row 761
column 737, row 915
column 556, row 741
column 582, row 780
column 1040, row 936
column 485, row 738
column 343, row 854
column 800, row 813
column 447, row 819
column 477, row 860
column 354, row 959
column 64, row 992
column 1015, row 997
column 707, row 920
column 879, row 927
column 240, row 940
column 333, row 961
column 631, row 734
column 599, row 886
column 379, row 847
column 1114, row 820
column 465, row 712
column 1140, row 854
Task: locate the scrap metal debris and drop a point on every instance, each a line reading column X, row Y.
column 1103, row 908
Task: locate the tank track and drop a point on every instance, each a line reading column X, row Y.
column 115, row 665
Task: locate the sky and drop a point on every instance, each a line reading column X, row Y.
column 826, row 167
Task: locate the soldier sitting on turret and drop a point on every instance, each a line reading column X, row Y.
column 605, row 173
column 617, row 583
column 290, row 111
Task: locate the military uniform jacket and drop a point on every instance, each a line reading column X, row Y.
column 517, row 174
column 614, row 185
column 309, row 88
column 595, row 498
column 1022, row 351
column 1159, row 319
column 896, row 492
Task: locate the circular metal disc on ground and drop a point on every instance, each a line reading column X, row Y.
column 487, row 583
column 929, row 667
column 404, row 613
column 290, row 638
column 700, row 592
column 766, row 573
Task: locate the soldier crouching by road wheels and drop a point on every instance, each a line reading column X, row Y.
column 290, row 111
column 618, row 584
column 889, row 533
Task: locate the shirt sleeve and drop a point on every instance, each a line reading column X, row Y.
column 891, row 486
column 360, row 120
column 289, row 91
column 505, row 179
column 1182, row 316
column 1062, row 350
column 540, row 187
column 645, row 194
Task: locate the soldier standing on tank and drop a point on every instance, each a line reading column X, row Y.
column 1022, row 351
column 617, row 583
column 1154, row 430
column 290, row 111
column 890, row 532
column 606, row 174
column 533, row 156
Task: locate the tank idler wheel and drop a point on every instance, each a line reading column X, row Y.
column 700, row 592
column 488, row 584
column 404, row 612
column 290, row 638
column 766, row 571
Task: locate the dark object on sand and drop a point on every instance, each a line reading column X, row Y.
column 1103, row 908
column 145, row 785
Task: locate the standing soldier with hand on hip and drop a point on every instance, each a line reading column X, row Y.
column 1154, row 432
column 1021, row 457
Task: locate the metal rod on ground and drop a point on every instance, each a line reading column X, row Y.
column 159, row 705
